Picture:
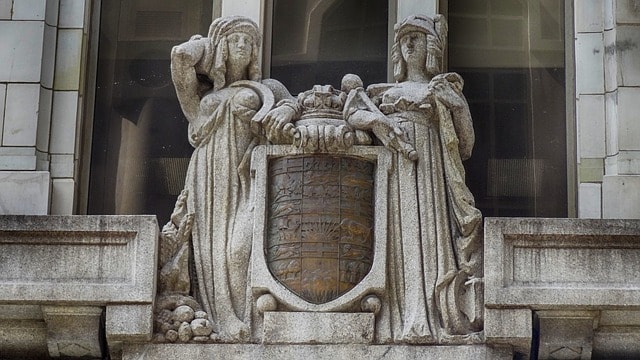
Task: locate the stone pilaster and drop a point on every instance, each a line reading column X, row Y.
column 621, row 181
column 44, row 42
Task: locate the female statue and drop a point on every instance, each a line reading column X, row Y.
column 434, row 254
column 218, row 83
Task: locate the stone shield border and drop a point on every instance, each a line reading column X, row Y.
column 262, row 280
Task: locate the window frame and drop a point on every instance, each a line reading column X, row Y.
column 398, row 9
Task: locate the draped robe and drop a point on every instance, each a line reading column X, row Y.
column 435, row 241
column 218, row 185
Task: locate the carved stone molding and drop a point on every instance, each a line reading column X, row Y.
column 73, row 331
column 563, row 288
column 60, row 275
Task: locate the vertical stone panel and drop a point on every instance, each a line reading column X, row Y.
column 62, row 191
column 589, row 63
column 590, row 201
column 21, row 115
column 71, row 14
column 591, row 129
column 589, row 15
column 68, row 57
column 21, row 50
column 28, row 10
column 63, row 122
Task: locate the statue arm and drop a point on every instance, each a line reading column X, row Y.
column 278, row 123
column 448, row 88
column 464, row 129
column 361, row 113
column 184, row 58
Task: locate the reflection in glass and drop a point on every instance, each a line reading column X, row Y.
column 511, row 55
column 140, row 150
column 318, row 41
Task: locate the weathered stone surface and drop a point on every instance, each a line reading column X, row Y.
column 323, row 244
column 509, row 327
column 131, row 322
column 262, row 281
column 93, row 264
column 183, row 313
column 172, row 335
column 319, row 352
column 184, row 332
column 73, row 331
column 559, row 263
column 201, row 327
column 113, row 259
column 218, row 84
column 569, row 273
column 435, row 237
column 566, row 334
column 23, row 338
column 200, row 315
column 24, row 192
column 318, row 328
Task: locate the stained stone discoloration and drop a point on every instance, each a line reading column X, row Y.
column 422, row 272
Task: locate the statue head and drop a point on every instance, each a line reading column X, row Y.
column 228, row 29
column 350, row 82
column 422, row 32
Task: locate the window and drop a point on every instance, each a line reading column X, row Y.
column 317, row 42
column 511, row 55
column 140, row 149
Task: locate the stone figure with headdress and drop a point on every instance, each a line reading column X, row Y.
column 206, row 246
column 435, row 255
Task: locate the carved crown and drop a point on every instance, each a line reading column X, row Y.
column 323, row 101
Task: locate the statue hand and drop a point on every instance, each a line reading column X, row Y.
column 397, row 142
column 188, row 53
column 445, row 93
column 278, row 126
column 387, row 131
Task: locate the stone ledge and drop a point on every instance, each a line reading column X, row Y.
column 558, row 263
column 316, row 352
column 574, row 282
column 318, row 328
column 78, row 259
column 61, row 274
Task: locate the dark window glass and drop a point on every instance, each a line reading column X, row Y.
column 317, row 42
column 511, row 55
column 140, row 149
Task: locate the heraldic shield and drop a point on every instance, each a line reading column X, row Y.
column 320, row 224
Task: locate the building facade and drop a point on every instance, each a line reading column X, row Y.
column 89, row 122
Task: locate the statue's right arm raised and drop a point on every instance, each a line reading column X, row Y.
column 184, row 59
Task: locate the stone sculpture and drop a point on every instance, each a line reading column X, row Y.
column 218, row 83
column 435, row 244
column 323, row 196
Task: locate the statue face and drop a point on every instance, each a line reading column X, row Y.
column 413, row 46
column 240, row 48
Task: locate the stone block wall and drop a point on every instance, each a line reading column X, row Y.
column 42, row 46
column 607, row 93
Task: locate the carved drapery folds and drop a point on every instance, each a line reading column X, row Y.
column 326, row 199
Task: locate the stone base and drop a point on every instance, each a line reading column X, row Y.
column 318, row 328
column 316, row 352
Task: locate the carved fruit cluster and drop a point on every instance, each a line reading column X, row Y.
column 182, row 321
